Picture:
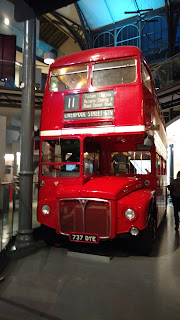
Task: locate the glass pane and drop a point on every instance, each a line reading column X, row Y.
column 146, row 78
column 69, row 70
column 60, row 170
column 91, row 162
column 91, row 156
column 115, row 72
column 47, row 152
column 131, row 162
column 68, row 78
column 60, row 150
column 115, row 64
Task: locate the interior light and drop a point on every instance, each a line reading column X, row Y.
column 9, row 157
column 79, row 85
column 6, row 21
column 49, row 57
column 62, row 70
column 48, row 60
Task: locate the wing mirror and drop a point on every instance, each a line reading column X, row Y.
column 148, row 141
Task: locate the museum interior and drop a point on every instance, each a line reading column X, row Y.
column 67, row 280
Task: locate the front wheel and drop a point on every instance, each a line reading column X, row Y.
column 147, row 237
column 48, row 234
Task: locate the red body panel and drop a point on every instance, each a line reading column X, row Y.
column 97, row 54
column 122, row 192
column 130, row 95
column 138, row 201
column 96, row 204
column 111, row 188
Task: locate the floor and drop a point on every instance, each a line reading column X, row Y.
column 112, row 283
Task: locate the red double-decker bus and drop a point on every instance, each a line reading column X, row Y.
column 102, row 148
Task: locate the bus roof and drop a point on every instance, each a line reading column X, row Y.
column 96, row 55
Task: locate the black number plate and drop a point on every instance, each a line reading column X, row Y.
column 77, row 237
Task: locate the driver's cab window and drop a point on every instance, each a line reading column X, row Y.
column 131, row 162
column 91, row 157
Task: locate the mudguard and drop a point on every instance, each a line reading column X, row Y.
column 139, row 201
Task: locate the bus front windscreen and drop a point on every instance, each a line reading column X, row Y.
column 114, row 72
column 68, row 78
column 60, row 158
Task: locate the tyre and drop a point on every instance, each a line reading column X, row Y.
column 148, row 235
column 48, row 234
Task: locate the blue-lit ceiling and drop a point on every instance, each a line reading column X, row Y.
column 99, row 13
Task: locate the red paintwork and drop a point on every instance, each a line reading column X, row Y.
column 138, row 201
column 134, row 105
column 111, row 188
column 97, row 54
column 124, row 95
column 130, row 95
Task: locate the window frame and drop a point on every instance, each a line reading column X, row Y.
column 127, row 164
column 115, row 67
column 69, row 73
column 60, row 164
column 144, row 69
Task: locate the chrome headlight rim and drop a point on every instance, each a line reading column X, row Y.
column 130, row 214
column 45, row 209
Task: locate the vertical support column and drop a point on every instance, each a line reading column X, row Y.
column 25, row 236
column 2, row 161
column 15, row 149
column 2, row 147
column 171, row 162
column 140, row 33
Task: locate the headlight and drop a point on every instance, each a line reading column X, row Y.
column 45, row 209
column 129, row 214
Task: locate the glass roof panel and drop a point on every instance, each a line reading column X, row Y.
column 99, row 13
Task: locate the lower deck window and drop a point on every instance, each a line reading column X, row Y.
column 131, row 162
column 60, row 158
column 90, row 157
column 91, row 163
column 60, row 170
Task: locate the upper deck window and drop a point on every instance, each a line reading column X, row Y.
column 68, row 78
column 146, row 78
column 114, row 72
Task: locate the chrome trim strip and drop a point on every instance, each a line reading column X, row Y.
column 83, row 210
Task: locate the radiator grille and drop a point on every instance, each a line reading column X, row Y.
column 85, row 216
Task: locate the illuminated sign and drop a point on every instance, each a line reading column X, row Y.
column 95, row 100
column 92, row 114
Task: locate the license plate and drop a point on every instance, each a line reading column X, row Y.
column 77, row 237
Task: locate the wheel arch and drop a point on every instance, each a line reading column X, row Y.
column 141, row 201
column 152, row 211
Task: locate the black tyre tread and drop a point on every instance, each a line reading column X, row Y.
column 147, row 237
column 49, row 234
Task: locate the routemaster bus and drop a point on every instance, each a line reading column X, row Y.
column 102, row 149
